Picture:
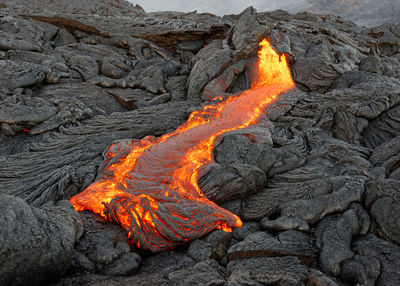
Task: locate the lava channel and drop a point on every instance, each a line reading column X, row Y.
column 149, row 186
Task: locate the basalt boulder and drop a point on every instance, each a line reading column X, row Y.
column 37, row 245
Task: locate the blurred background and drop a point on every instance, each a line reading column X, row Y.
column 363, row 12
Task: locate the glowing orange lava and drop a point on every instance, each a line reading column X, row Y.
column 150, row 187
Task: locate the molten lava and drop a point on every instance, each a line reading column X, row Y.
column 149, row 186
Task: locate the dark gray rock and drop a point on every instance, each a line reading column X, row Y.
column 382, row 200
column 99, row 101
column 248, row 228
column 208, row 63
column 375, row 262
column 200, row 250
column 247, row 33
column 20, row 74
column 387, row 156
column 313, row 211
column 285, row 223
column 278, row 271
column 70, row 74
column 96, row 279
column 239, row 148
column 384, row 128
column 176, row 86
column 202, row 273
column 130, row 98
column 191, row 46
column 224, row 183
column 288, row 243
column 224, row 82
column 160, row 99
column 112, row 8
column 13, row 44
column 383, row 152
column 80, row 149
column 85, row 64
column 24, row 34
column 36, row 244
column 151, row 78
column 334, row 236
column 127, row 264
column 348, row 127
column 234, row 207
column 316, row 63
column 64, row 38
column 104, row 249
column 384, row 211
column 371, row 64
column 317, row 278
column 219, row 240
column 361, row 270
column 297, row 185
column 26, row 113
column 164, row 263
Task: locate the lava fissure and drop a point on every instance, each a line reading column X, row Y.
column 149, row 186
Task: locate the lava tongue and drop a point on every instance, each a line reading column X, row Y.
column 149, row 186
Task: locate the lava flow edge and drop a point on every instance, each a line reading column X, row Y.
column 149, row 186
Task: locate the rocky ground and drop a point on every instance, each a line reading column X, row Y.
column 364, row 12
column 316, row 182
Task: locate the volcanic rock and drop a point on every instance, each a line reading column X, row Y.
column 91, row 97
column 241, row 233
column 375, row 262
column 285, row 223
column 164, row 263
column 314, row 210
column 125, row 265
column 78, row 168
column 209, row 62
column 228, row 182
column 114, row 8
column 238, row 148
column 381, row 199
column 207, row 272
column 90, row 279
column 219, row 241
column 200, row 250
column 262, row 244
column 224, row 82
column 176, row 86
column 315, row 180
column 103, row 249
column 334, row 236
column 359, row 10
column 37, row 245
column 387, row 156
column 317, row 278
column 279, row 271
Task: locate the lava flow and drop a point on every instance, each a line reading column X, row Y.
column 150, row 187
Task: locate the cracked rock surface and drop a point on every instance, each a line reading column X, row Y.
column 316, row 181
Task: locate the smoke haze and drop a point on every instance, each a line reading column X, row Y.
column 220, row 7
column 363, row 12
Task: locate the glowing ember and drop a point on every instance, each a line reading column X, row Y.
column 149, row 186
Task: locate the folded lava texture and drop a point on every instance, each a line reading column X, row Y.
column 150, row 187
column 155, row 121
